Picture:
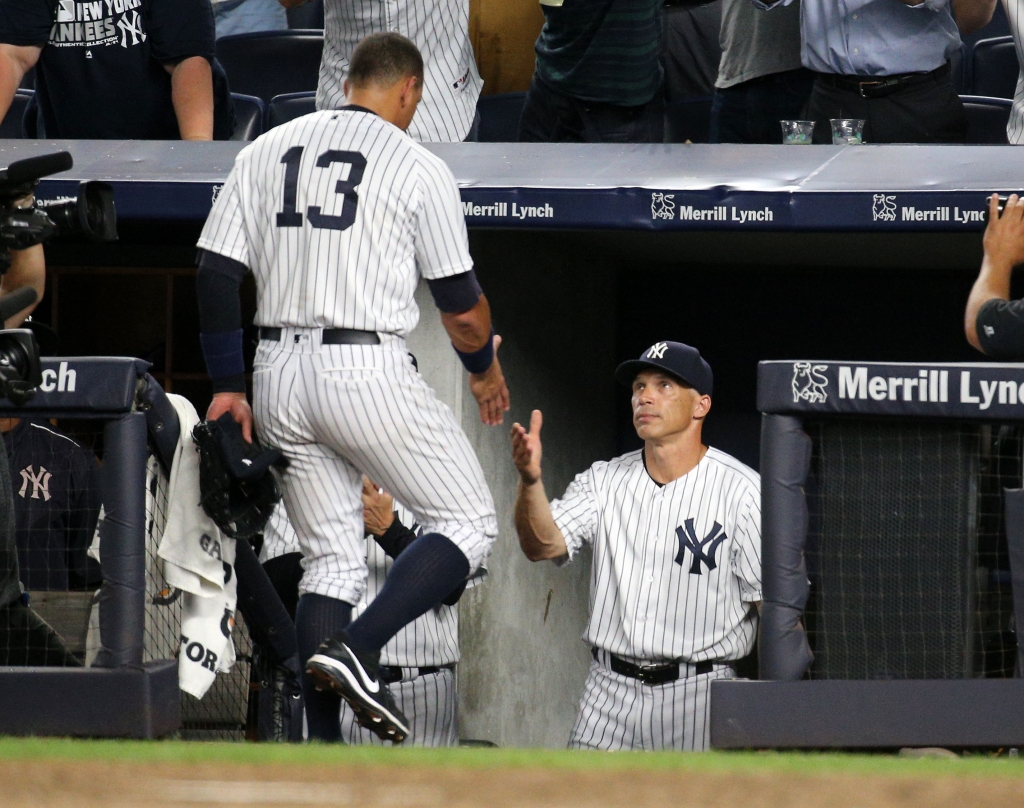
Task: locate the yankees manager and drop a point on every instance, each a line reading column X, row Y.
column 676, row 533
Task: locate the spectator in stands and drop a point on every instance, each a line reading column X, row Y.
column 690, row 49
column 760, row 79
column 993, row 323
column 248, row 16
column 56, row 504
column 134, row 69
column 887, row 62
column 440, row 29
column 598, row 78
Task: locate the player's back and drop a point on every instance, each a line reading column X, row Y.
column 331, row 208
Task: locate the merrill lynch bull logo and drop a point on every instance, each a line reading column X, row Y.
column 808, row 383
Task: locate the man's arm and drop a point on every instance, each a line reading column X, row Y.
column 970, row 15
column 220, row 323
column 15, row 62
column 1004, row 249
column 28, row 268
column 192, row 97
column 539, row 536
column 474, row 340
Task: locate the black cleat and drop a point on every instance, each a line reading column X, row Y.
column 337, row 667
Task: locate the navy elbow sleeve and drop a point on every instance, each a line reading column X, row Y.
column 456, row 293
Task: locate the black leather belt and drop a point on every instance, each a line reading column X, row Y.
column 881, row 86
column 329, row 336
column 389, row 674
column 653, row 674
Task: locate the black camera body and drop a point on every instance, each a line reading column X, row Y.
column 90, row 215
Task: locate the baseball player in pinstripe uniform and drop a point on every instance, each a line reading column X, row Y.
column 1015, row 125
column 417, row 663
column 676, row 534
column 440, row 29
column 338, row 214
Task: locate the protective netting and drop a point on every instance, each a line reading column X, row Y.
column 906, row 549
column 54, row 487
column 223, row 713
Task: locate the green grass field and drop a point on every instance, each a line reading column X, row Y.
column 179, row 752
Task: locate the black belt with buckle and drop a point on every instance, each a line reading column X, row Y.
column 329, row 336
column 389, row 674
column 882, row 85
column 653, row 674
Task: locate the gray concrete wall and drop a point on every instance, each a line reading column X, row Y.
column 523, row 662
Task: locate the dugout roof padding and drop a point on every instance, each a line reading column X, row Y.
column 633, row 187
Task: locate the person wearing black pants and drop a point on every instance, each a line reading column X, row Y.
column 911, row 108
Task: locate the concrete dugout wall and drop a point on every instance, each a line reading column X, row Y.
column 523, row 662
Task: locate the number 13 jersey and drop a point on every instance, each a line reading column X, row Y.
column 338, row 214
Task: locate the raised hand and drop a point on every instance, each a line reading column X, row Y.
column 490, row 391
column 526, row 448
column 1004, row 236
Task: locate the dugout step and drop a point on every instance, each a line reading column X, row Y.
column 141, row 702
column 867, row 713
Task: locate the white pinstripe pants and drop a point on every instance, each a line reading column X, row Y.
column 619, row 713
column 339, row 411
column 429, row 704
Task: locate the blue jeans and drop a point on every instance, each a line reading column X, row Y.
column 750, row 112
column 553, row 117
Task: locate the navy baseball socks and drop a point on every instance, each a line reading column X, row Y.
column 317, row 617
column 347, row 662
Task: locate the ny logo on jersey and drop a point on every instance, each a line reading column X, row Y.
column 657, row 351
column 688, row 541
column 40, row 483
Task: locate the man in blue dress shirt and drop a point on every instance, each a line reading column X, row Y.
column 885, row 61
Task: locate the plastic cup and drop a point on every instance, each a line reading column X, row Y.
column 797, row 133
column 847, row 131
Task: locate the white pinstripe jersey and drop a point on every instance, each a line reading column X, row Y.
column 676, row 567
column 440, row 29
column 432, row 639
column 1015, row 126
column 338, row 214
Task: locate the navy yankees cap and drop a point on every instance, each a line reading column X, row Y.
column 679, row 360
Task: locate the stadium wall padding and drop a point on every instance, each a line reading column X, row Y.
column 122, row 598
column 783, row 651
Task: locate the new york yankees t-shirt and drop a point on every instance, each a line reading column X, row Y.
column 676, row 567
column 55, row 483
column 101, row 71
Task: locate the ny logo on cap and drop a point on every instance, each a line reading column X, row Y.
column 657, row 350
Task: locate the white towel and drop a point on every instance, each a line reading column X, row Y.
column 199, row 560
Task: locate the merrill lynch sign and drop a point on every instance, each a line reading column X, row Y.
column 865, row 388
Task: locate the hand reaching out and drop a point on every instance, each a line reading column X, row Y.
column 526, row 448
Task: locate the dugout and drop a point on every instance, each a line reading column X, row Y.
column 588, row 255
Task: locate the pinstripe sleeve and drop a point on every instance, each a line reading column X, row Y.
column 442, row 246
column 224, row 231
column 746, row 551
column 1015, row 125
column 576, row 513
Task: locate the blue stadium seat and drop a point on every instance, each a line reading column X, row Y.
column 308, row 15
column 12, row 126
column 499, row 117
column 994, row 68
column 249, row 113
column 271, row 63
column 689, row 120
column 986, row 118
column 283, row 108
